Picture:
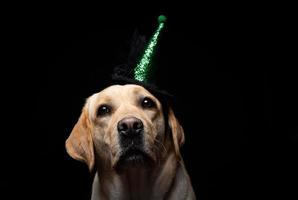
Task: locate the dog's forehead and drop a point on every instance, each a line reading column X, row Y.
column 118, row 92
column 122, row 90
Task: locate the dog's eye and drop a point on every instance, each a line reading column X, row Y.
column 148, row 103
column 103, row 110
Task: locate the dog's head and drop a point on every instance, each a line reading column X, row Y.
column 123, row 125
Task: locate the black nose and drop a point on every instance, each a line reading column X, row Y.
column 130, row 127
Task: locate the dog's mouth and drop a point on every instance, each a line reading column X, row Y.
column 133, row 157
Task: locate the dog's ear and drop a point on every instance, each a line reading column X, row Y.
column 177, row 131
column 79, row 144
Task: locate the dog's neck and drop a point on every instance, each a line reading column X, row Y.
column 136, row 183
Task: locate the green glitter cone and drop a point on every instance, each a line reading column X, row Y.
column 142, row 70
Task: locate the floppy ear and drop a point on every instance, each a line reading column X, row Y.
column 79, row 144
column 177, row 131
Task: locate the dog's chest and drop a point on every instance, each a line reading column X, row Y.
column 134, row 185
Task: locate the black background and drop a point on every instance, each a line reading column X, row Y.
column 225, row 64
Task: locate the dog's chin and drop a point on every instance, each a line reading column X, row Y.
column 134, row 158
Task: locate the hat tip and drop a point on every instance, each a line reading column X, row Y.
column 162, row 19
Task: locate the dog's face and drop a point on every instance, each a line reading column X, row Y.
column 124, row 124
column 127, row 119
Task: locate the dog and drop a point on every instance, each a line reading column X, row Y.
column 132, row 142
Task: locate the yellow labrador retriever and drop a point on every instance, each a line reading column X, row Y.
column 134, row 147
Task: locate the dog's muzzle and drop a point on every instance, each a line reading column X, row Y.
column 131, row 136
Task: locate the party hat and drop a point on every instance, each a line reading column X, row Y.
column 142, row 70
column 139, row 68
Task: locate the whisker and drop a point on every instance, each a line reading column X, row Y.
column 161, row 144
